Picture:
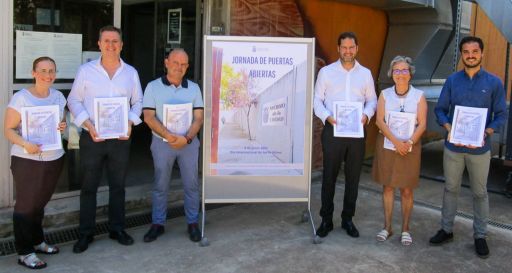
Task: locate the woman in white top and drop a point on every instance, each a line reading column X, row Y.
column 399, row 168
column 35, row 172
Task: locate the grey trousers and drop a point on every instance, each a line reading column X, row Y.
column 478, row 170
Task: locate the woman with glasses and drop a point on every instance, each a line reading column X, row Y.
column 398, row 165
column 35, row 172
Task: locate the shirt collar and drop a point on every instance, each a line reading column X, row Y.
column 183, row 84
column 477, row 75
column 98, row 63
column 356, row 66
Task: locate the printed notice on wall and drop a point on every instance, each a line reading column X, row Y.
column 174, row 26
column 64, row 48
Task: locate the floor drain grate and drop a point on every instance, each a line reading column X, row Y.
column 71, row 234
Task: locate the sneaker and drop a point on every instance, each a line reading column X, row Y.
column 481, row 248
column 441, row 237
column 324, row 229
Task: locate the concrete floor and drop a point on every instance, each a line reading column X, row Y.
column 271, row 238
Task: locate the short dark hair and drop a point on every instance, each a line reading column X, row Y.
column 110, row 28
column 471, row 39
column 349, row 35
column 41, row 59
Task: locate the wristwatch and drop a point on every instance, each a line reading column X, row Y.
column 410, row 141
column 189, row 139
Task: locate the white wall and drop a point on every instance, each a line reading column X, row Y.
column 6, row 36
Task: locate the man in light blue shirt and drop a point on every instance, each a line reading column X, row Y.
column 167, row 147
column 472, row 87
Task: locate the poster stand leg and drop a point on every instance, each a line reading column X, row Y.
column 204, row 241
column 307, row 214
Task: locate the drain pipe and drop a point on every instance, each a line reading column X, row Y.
column 457, row 35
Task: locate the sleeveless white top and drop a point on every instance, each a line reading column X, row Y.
column 407, row 103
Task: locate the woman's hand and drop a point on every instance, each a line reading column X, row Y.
column 62, row 126
column 32, row 148
column 402, row 147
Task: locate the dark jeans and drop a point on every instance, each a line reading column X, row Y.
column 35, row 183
column 337, row 150
column 113, row 154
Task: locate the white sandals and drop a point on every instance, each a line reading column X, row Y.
column 31, row 261
column 383, row 235
column 45, row 248
column 406, row 238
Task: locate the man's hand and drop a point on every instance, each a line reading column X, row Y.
column 364, row 119
column 92, row 131
column 178, row 143
column 128, row 134
column 331, row 120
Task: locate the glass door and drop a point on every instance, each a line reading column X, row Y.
column 150, row 30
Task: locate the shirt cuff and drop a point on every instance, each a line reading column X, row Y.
column 134, row 118
column 81, row 118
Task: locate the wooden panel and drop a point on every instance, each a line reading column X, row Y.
column 266, row 18
column 495, row 44
column 325, row 20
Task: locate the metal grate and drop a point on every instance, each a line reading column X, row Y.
column 71, row 234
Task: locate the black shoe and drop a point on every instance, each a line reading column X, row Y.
column 441, row 237
column 121, row 236
column 153, row 232
column 481, row 248
column 83, row 243
column 194, row 232
column 350, row 228
column 324, row 229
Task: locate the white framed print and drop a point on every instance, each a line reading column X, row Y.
column 401, row 125
column 348, row 115
column 177, row 118
column 111, row 117
column 40, row 125
column 468, row 125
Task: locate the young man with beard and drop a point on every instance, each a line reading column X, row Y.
column 343, row 80
column 472, row 87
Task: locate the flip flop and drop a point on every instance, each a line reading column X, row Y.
column 45, row 248
column 406, row 238
column 31, row 261
column 383, row 235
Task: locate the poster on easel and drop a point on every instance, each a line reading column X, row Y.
column 258, row 105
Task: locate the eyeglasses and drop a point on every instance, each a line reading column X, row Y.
column 401, row 71
column 49, row 72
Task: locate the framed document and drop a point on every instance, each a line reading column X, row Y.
column 111, row 117
column 468, row 125
column 39, row 124
column 177, row 118
column 348, row 116
column 401, row 125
